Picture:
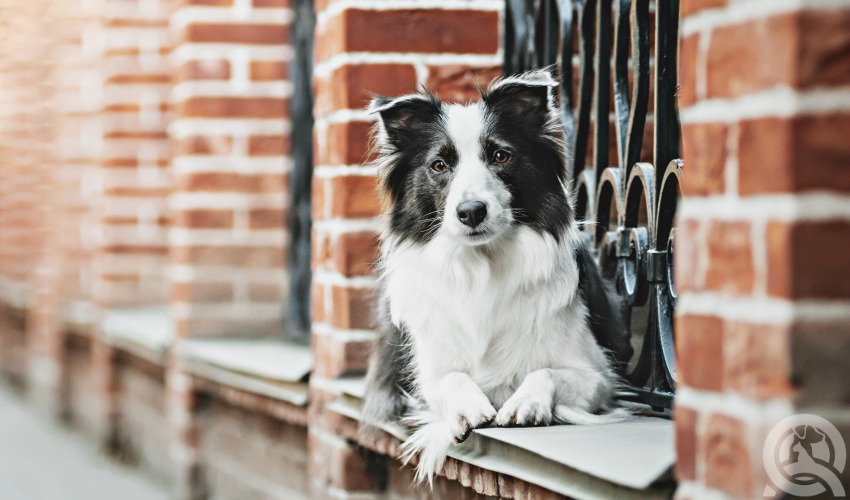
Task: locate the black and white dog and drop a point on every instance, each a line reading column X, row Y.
column 491, row 308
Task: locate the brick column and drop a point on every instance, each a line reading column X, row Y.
column 362, row 50
column 33, row 208
column 229, row 200
column 130, row 187
column 230, row 167
column 763, row 319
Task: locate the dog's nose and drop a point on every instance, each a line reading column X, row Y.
column 471, row 213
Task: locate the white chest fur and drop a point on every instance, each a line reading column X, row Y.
column 496, row 314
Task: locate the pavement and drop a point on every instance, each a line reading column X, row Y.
column 41, row 460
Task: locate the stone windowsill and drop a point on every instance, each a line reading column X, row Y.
column 79, row 315
column 267, row 368
column 145, row 332
column 631, row 459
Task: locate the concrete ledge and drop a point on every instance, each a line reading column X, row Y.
column 266, row 368
column 144, row 332
column 630, row 459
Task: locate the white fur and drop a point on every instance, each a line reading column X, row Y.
column 508, row 317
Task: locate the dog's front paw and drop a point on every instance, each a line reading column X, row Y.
column 532, row 404
column 527, row 410
column 470, row 413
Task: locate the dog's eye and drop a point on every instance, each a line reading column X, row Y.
column 439, row 166
column 501, row 156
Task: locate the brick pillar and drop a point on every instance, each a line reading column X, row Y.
column 229, row 200
column 360, row 51
column 131, row 185
column 230, row 167
column 763, row 318
column 32, row 185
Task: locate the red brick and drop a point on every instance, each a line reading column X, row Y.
column 825, row 43
column 268, row 145
column 264, row 292
column 209, row 3
column 756, row 360
column 268, row 218
column 699, row 347
column 206, row 69
column 692, row 6
column 204, row 145
column 258, row 34
column 460, row 83
column 138, row 192
column 317, row 200
column 246, row 257
column 352, row 307
column 234, row 107
column 204, row 219
column 346, row 144
column 688, row 61
column 336, row 357
column 230, row 182
column 322, row 96
column 269, row 70
column 793, row 271
column 801, row 49
column 689, row 246
column 736, row 56
column 272, row 3
column 354, row 196
column 353, row 85
column 317, row 303
column 355, row 253
column 138, row 79
column 728, row 459
column 705, row 158
column 686, row 442
column 410, row 30
column 198, row 292
column 730, row 258
column 321, row 250
column 794, row 154
column 820, row 371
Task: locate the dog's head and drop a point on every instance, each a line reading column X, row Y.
column 473, row 172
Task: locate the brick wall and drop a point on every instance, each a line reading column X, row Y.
column 762, row 315
column 388, row 48
column 230, row 166
column 252, row 455
column 141, row 438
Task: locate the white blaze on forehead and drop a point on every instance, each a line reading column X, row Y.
column 464, row 125
column 473, row 179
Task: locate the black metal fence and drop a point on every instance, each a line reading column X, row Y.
column 628, row 208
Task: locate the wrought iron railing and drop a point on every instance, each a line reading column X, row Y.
column 628, row 208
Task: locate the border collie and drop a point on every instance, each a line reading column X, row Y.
column 491, row 309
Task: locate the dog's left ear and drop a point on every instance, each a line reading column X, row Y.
column 529, row 95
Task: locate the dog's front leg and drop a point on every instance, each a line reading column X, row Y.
column 458, row 400
column 535, row 400
column 456, row 405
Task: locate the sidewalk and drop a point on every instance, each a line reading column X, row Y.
column 39, row 460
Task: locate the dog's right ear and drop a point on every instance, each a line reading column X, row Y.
column 403, row 118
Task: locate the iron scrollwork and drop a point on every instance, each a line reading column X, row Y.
column 628, row 208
